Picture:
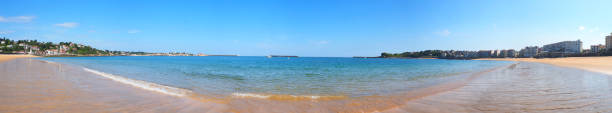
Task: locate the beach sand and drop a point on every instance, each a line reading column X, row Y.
column 595, row 64
column 30, row 85
column 4, row 57
column 524, row 87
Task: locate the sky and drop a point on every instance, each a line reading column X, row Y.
column 326, row 28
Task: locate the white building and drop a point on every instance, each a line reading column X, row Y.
column 565, row 47
column 609, row 41
column 512, row 53
column 52, row 52
column 496, row 53
column 485, row 53
column 597, row 48
column 529, row 51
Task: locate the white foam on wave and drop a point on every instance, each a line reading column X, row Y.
column 250, row 95
column 263, row 96
column 143, row 84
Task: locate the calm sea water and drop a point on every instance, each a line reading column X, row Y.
column 219, row 75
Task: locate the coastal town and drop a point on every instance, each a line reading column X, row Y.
column 559, row 49
column 34, row 47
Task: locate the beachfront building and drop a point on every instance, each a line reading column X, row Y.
column 509, row 53
column 496, row 53
column 503, row 53
column 529, row 51
column 485, row 53
column 63, row 49
column 52, row 52
column 563, row 48
column 597, row 48
column 609, row 41
column 512, row 53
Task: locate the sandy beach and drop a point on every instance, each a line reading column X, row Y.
column 524, row 87
column 4, row 57
column 30, row 85
column 34, row 86
column 596, row 64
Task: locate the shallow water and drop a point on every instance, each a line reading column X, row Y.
column 284, row 78
column 38, row 86
column 34, row 86
column 525, row 87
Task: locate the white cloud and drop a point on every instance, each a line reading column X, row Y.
column 581, row 28
column 19, row 19
column 443, row 33
column 133, row 31
column 68, row 24
column 6, row 32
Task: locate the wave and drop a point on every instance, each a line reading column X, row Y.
column 286, row 97
column 145, row 85
column 185, row 92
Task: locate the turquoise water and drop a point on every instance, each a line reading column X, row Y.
column 221, row 75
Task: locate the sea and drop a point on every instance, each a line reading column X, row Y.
column 225, row 77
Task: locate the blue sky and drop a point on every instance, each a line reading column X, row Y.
column 307, row 27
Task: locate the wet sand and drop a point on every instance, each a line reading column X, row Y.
column 596, row 64
column 525, row 87
column 29, row 85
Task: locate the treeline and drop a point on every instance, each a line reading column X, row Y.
column 419, row 54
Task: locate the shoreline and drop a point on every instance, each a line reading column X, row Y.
column 247, row 102
column 304, row 104
column 477, row 93
column 601, row 64
column 525, row 87
column 7, row 57
column 30, row 85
